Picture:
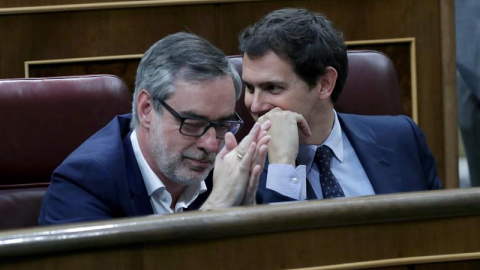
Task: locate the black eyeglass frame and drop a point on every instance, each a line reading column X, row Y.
column 214, row 124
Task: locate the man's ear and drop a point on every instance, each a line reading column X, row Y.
column 326, row 83
column 145, row 108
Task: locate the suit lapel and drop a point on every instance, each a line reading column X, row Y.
column 378, row 162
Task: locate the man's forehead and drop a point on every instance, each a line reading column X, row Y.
column 226, row 80
column 266, row 77
column 212, row 99
column 269, row 62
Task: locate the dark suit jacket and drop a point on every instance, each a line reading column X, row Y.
column 391, row 149
column 99, row 180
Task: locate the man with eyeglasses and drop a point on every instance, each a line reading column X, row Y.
column 158, row 159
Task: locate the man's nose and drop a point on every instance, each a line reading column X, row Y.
column 209, row 141
column 258, row 105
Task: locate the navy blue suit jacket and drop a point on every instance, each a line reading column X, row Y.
column 391, row 149
column 100, row 180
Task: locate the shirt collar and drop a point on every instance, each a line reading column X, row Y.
column 334, row 140
column 153, row 183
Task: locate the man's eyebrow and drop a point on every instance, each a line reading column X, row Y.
column 199, row 116
column 273, row 82
column 268, row 83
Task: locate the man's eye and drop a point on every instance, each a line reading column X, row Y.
column 225, row 126
column 272, row 88
column 249, row 87
column 189, row 123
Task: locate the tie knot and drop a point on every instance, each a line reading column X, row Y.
column 324, row 151
column 323, row 156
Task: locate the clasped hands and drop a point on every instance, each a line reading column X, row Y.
column 237, row 169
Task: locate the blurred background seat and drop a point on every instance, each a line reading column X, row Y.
column 45, row 119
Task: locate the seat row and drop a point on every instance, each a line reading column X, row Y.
column 45, row 119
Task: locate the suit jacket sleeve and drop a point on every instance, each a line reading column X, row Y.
column 80, row 191
column 426, row 157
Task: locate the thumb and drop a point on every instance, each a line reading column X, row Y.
column 230, row 141
column 230, row 144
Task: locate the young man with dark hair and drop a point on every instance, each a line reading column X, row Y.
column 294, row 67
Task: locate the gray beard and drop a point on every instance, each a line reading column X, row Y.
column 171, row 164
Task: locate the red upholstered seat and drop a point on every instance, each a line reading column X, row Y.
column 19, row 207
column 372, row 86
column 44, row 120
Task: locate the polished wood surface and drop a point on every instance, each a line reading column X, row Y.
column 449, row 82
column 36, row 6
column 99, row 31
column 423, row 228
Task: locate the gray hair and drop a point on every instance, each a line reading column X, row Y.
column 179, row 56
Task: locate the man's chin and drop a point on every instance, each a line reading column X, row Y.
column 196, row 170
column 191, row 177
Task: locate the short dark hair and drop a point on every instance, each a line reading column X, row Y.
column 179, row 56
column 306, row 39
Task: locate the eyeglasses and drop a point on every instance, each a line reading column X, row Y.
column 196, row 127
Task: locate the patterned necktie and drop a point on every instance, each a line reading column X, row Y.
column 330, row 186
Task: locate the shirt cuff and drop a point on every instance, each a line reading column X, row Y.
column 287, row 180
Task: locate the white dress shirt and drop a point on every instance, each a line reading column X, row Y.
column 345, row 165
column 160, row 198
